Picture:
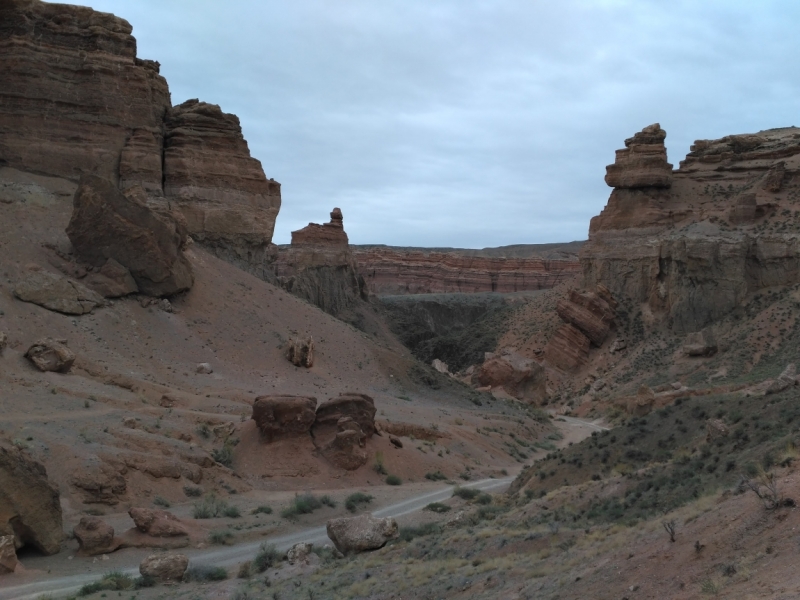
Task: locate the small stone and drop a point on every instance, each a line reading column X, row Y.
column 51, row 355
column 204, row 369
column 164, row 567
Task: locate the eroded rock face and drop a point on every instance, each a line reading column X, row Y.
column 520, row 377
column 95, row 536
column 278, row 417
column 694, row 251
column 57, row 293
column 51, row 355
column 359, row 407
column 8, row 554
column 700, row 343
column 100, row 484
column 589, row 312
column 29, row 506
column 145, row 239
column 164, row 567
column 319, row 267
column 157, row 523
column 345, row 450
column 643, row 162
column 361, row 533
column 229, row 204
column 299, row 553
column 301, row 352
column 3, row 341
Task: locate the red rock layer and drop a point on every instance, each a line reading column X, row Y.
column 390, row 272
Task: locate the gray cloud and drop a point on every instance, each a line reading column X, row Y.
column 468, row 123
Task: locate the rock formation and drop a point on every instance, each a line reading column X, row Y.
column 520, row 377
column 692, row 252
column 345, row 450
column 157, row 523
column 29, row 506
column 359, row 534
column 51, row 355
column 57, row 293
column 145, row 239
column 319, row 267
column 8, row 554
column 700, row 343
column 164, row 568
column 284, row 416
column 359, row 407
column 642, row 163
column 392, row 271
column 75, row 100
column 95, row 536
column 301, row 352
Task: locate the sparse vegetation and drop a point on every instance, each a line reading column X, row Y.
column 221, row 537
column 212, row 507
column 262, row 510
column 393, row 480
column 437, row 507
column 201, row 573
column 162, row 502
column 266, row 557
column 304, row 504
column 436, row 476
column 356, row 500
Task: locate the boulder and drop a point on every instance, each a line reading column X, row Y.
column 395, row 442
column 700, row 343
column 57, row 293
column 157, row 523
column 359, row 407
column 301, row 352
column 345, row 450
column 284, row 416
column 95, row 536
column 100, row 484
column 440, row 366
column 29, row 505
column 299, row 553
column 519, row 376
column 204, row 369
column 164, row 567
column 51, row 355
column 3, row 342
column 716, row 428
column 351, row 535
column 147, row 240
column 642, row 403
column 8, row 554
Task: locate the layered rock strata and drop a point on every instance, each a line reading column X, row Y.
column 75, row 99
column 388, row 271
column 319, row 267
column 284, row 416
column 691, row 253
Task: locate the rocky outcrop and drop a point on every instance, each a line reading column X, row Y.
column 392, row 271
column 299, row 553
column 279, row 417
column 51, row 355
column 361, row 533
column 57, row 293
column 700, row 343
column 359, row 407
column 643, row 161
column 145, row 239
column 694, row 251
column 8, row 555
column 100, row 484
column 319, row 267
column 520, row 377
column 95, row 536
column 567, row 349
column 346, row 449
column 300, row 352
column 229, row 204
column 164, row 568
column 29, row 505
column 157, row 523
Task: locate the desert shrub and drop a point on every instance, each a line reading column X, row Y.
column 326, row 553
column 354, row 500
column 162, row 502
column 436, row 476
column 209, row 507
column 466, row 493
column 144, row 581
column 328, row 501
column 409, row 533
column 205, row 573
column 379, row 467
column 232, row 512
column 245, row 570
column 262, row 510
column 488, row 513
column 465, row 475
column 484, row 498
column 192, row 491
column 221, row 536
column 437, row 507
column 224, row 455
column 303, row 504
column 113, row 581
column 393, row 480
column 266, row 557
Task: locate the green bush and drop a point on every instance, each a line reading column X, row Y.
column 393, row 480
column 162, row 502
column 437, row 507
column 209, row 507
column 466, row 493
column 224, row 455
column 436, row 476
column 409, row 533
column 262, row 510
column 328, row 501
column 113, row 581
column 192, row 491
column 354, row 500
column 483, row 498
column 266, row 557
column 222, row 536
column 302, row 504
column 232, row 512
column 205, row 573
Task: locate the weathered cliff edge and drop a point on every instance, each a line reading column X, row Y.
column 688, row 246
column 395, row 271
column 75, row 99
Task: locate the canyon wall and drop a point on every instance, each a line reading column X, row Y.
column 75, row 99
column 687, row 246
column 396, row 271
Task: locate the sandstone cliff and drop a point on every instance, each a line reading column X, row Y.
column 390, row 271
column 725, row 227
column 75, row 99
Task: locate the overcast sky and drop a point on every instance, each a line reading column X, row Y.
column 468, row 123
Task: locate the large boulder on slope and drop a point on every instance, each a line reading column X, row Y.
column 157, row 522
column 95, row 536
column 359, row 407
column 57, row 293
column 359, row 534
column 284, row 416
column 29, row 504
column 51, row 355
column 147, row 240
column 164, row 567
column 519, row 376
